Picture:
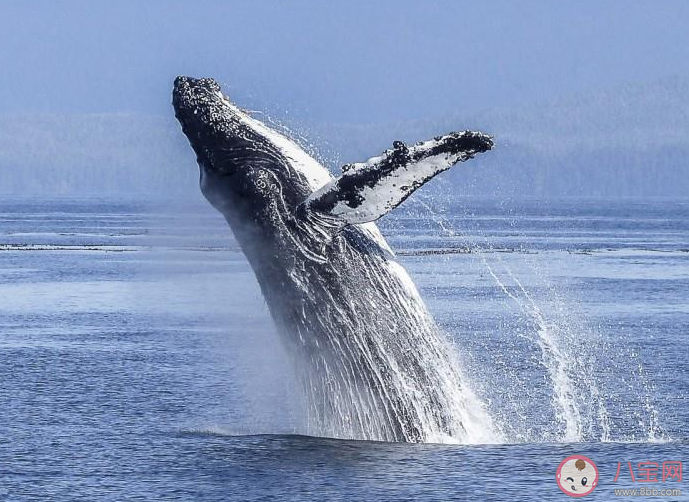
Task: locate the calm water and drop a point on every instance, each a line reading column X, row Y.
column 138, row 361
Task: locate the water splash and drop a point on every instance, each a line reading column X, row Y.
column 392, row 377
column 552, row 358
column 579, row 416
column 389, row 377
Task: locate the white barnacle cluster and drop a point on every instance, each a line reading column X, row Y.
column 262, row 180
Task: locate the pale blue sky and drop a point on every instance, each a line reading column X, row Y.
column 355, row 61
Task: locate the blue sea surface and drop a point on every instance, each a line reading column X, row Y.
column 138, row 360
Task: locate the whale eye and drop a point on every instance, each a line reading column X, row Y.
column 584, row 481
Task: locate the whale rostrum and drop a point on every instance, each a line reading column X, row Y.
column 372, row 362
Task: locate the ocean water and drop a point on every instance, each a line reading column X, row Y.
column 138, row 360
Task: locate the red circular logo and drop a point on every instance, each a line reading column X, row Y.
column 577, row 476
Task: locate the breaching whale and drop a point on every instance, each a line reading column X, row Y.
column 373, row 363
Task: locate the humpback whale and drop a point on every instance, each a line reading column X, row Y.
column 372, row 361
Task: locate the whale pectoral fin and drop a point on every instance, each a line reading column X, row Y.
column 367, row 191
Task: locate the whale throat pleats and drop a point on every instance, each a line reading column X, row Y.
column 366, row 191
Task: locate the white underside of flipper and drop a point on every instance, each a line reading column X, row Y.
column 369, row 190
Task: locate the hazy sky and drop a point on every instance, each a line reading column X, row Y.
column 356, row 61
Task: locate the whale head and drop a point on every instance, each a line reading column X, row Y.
column 247, row 168
column 212, row 124
column 269, row 189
